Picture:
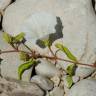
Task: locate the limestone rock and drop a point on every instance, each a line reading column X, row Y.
column 19, row 88
column 4, row 4
column 75, row 79
column 47, row 69
column 72, row 20
column 43, row 82
column 84, row 71
column 57, row 91
column 85, row 87
column 32, row 90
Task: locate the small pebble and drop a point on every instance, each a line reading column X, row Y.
column 56, row 80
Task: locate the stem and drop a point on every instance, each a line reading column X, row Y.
column 78, row 63
column 51, row 51
column 53, row 54
column 11, row 51
column 36, row 56
column 8, row 51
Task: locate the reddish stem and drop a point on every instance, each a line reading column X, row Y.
column 36, row 56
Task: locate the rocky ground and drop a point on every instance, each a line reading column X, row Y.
column 75, row 21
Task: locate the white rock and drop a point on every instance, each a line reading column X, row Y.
column 11, row 62
column 47, row 69
column 43, row 82
column 4, row 4
column 66, row 89
column 19, row 88
column 3, row 94
column 75, row 18
column 32, row 90
column 57, row 91
column 75, row 79
column 85, row 87
column 93, row 75
column 84, row 71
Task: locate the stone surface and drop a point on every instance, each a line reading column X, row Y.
column 78, row 35
column 47, row 69
column 11, row 62
column 56, row 80
column 32, row 90
column 43, row 82
column 84, row 71
column 4, row 4
column 85, row 87
column 94, row 75
column 66, row 89
column 18, row 88
column 7, row 87
column 57, row 91
column 75, row 79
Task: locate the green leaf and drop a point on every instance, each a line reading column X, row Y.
column 24, row 56
column 7, row 37
column 70, row 69
column 19, row 37
column 24, row 67
column 46, row 43
column 69, row 81
column 66, row 51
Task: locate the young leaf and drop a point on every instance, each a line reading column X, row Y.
column 66, row 51
column 46, row 43
column 25, row 66
column 19, row 37
column 70, row 69
column 24, row 56
column 69, row 81
column 7, row 37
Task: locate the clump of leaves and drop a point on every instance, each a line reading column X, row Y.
column 70, row 71
column 24, row 56
column 30, row 58
column 8, row 38
column 71, row 68
column 46, row 43
column 13, row 39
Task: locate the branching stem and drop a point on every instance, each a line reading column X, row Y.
column 37, row 56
